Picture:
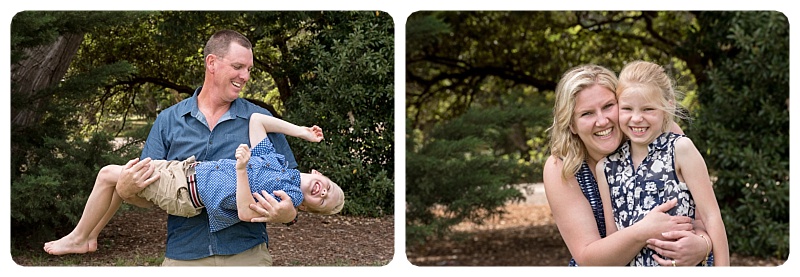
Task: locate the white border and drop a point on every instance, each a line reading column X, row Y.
column 399, row 10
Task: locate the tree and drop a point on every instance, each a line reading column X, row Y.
column 45, row 153
column 742, row 125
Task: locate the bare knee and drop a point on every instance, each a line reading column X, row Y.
column 109, row 174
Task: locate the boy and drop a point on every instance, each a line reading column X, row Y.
column 186, row 187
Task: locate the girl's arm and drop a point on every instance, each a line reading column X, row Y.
column 576, row 223
column 261, row 124
column 243, row 195
column 696, row 178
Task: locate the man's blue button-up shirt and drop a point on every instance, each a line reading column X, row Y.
column 180, row 132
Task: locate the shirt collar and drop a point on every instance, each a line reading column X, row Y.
column 238, row 108
column 660, row 143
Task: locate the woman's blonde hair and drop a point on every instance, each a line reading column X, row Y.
column 642, row 76
column 564, row 144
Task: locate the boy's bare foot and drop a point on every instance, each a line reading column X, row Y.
column 67, row 245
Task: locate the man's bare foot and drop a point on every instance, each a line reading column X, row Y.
column 67, row 245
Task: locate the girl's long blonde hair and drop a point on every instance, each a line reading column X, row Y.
column 564, row 144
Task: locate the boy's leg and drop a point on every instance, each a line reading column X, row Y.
column 97, row 207
column 116, row 201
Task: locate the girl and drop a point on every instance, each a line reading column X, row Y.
column 655, row 166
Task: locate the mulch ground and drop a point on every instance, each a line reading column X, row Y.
column 133, row 236
column 525, row 236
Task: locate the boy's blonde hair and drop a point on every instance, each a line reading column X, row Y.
column 563, row 143
column 642, row 76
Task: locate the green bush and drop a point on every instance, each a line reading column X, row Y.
column 455, row 174
column 742, row 129
column 350, row 94
column 49, row 192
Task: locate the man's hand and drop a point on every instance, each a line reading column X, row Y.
column 135, row 176
column 273, row 211
column 242, row 156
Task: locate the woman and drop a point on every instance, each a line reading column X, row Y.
column 585, row 129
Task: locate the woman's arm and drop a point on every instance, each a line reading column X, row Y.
column 576, row 223
column 687, row 248
column 696, row 178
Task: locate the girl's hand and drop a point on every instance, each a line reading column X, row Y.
column 242, row 156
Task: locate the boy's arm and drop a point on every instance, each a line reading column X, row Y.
column 243, row 196
column 693, row 169
column 261, row 124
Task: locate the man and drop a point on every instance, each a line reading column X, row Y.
column 210, row 125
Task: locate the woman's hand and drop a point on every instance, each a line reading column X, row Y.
column 684, row 247
column 657, row 221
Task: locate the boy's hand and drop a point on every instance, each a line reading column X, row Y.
column 242, row 156
column 313, row 134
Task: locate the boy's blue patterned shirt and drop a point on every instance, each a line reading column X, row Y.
column 267, row 170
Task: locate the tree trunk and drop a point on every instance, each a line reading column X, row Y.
column 44, row 66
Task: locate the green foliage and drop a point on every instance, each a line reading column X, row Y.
column 349, row 92
column 48, row 196
column 455, row 175
column 742, row 127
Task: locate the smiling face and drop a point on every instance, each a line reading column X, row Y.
column 320, row 194
column 595, row 121
column 231, row 71
column 641, row 115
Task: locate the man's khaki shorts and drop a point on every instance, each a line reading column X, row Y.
column 171, row 191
